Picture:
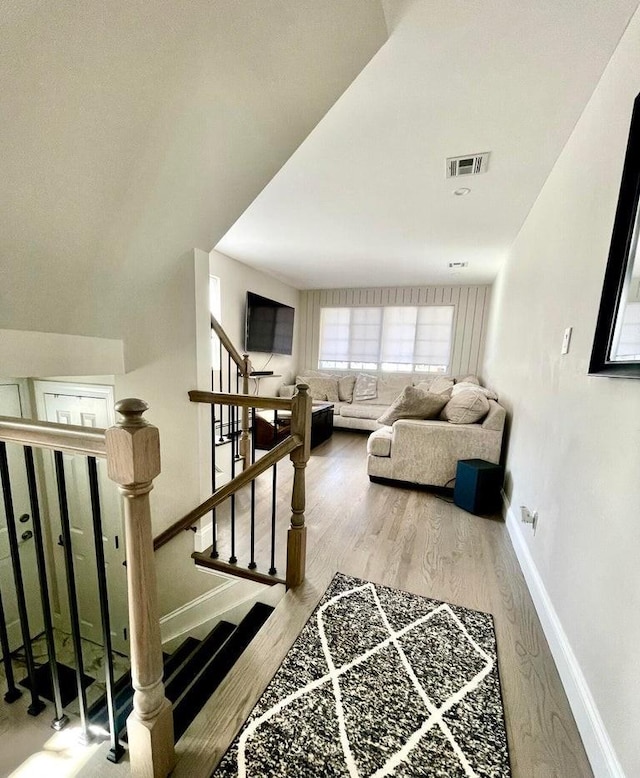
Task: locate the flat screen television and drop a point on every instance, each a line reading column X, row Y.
column 269, row 325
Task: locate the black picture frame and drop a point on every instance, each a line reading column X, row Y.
column 618, row 262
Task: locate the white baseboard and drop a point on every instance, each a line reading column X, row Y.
column 230, row 601
column 598, row 746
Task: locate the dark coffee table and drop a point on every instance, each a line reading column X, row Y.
column 268, row 433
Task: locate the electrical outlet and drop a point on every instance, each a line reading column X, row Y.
column 529, row 517
column 566, row 340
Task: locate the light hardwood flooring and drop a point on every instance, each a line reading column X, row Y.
column 411, row 540
column 415, row 541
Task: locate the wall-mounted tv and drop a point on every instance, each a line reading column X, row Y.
column 269, row 325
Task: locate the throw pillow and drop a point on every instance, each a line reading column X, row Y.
column 440, row 385
column 365, row 388
column 322, row 389
column 464, row 386
column 413, row 403
column 345, row 387
column 470, row 379
column 466, row 408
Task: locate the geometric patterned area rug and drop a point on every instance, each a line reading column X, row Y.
column 379, row 682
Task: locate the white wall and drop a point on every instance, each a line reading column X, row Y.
column 574, row 447
column 24, row 353
column 470, row 319
column 236, row 279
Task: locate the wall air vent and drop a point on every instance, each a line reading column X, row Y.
column 469, row 165
column 453, row 266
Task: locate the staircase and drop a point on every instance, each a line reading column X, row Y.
column 191, row 673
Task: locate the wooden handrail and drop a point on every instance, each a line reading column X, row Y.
column 226, row 342
column 69, row 438
column 288, row 445
column 244, row 401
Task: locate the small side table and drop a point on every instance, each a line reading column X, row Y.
column 477, row 487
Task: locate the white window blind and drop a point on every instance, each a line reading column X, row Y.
column 392, row 338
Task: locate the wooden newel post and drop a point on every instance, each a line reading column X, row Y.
column 133, row 461
column 297, row 534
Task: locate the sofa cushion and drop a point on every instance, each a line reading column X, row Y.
column 379, row 443
column 469, row 379
column 413, row 403
column 467, row 407
column 365, row 387
column 390, row 386
column 362, row 410
column 324, row 389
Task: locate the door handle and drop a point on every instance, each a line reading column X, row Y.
column 24, row 518
column 27, row 535
column 60, row 541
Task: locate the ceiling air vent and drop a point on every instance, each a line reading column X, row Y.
column 469, row 165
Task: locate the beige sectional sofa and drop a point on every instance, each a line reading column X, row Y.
column 350, row 412
column 411, row 450
column 427, row 451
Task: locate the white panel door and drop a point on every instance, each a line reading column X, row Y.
column 10, row 406
column 88, row 411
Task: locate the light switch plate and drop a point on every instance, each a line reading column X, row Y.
column 566, row 340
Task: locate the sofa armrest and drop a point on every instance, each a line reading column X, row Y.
column 427, row 452
column 495, row 419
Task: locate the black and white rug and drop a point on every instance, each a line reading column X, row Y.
column 379, row 683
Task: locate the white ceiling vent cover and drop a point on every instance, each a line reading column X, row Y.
column 469, row 165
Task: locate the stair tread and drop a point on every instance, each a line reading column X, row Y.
column 209, row 676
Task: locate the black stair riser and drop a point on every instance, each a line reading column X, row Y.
column 192, row 699
column 123, row 692
column 185, row 672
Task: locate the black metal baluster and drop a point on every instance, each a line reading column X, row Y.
column 274, row 484
column 71, row 593
column 221, row 438
column 116, row 751
column 61, row 719
column 233, row 559
column 37, row 705
column 252, row 563
column 214, row 527
column 229, row 407
column 12, row 693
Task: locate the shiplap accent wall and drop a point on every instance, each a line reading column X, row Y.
column 469, row 322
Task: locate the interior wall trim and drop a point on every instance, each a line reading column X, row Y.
column 472, row 305
column 599, row 748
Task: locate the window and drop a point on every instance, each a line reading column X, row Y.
column 393, row 338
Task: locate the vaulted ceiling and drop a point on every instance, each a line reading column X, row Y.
column 364, row 200
column 133, row 131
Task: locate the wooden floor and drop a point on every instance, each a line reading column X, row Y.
column 414, row 541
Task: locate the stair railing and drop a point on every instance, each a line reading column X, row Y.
column 225, row 425
column 296, row 444
column 132, row 453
